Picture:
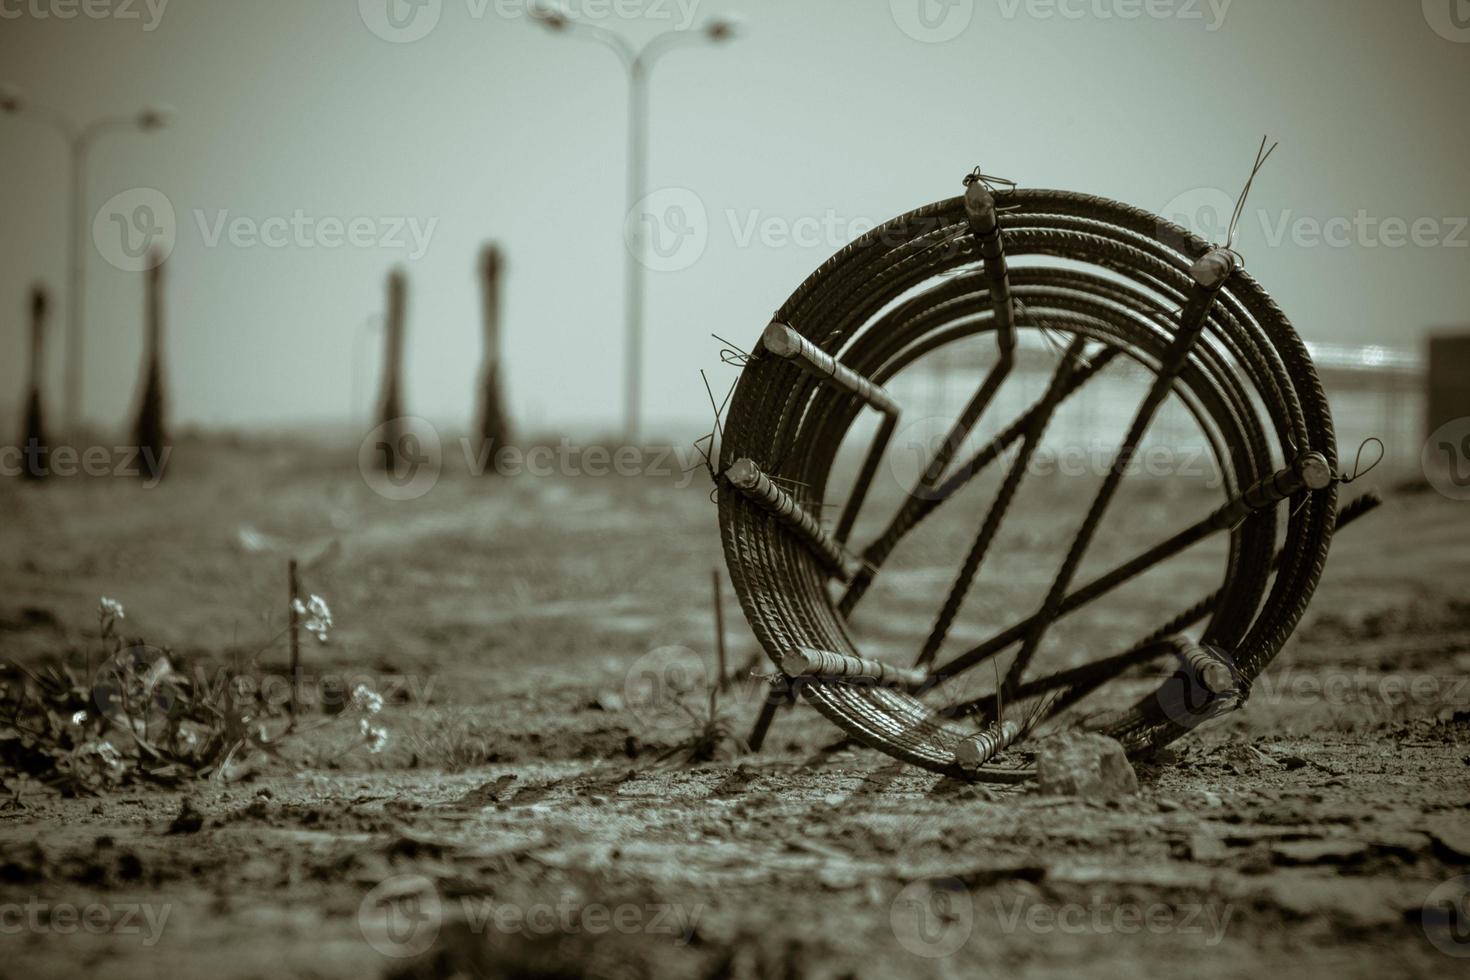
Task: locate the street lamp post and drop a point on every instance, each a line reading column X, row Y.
column 639, row 64
column 79, row 140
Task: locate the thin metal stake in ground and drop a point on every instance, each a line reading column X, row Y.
column 294, row 619
column 724, row 667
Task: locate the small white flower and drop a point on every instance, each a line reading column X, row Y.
column 318, row 616
column 80, row 718
column 113, row 608
column 376, row 735
column 366, row 700
column 107, row 752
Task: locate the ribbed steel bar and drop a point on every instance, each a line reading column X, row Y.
column 806, row 662
column 747, row 477
column 786, row 343
column 978, row 749
column 864, row 480
column 873, row 300
column 1210, row 273
column 1087, row 678
column 984, row 219
column 918, row 506
column 1220, row 519
column 1001, row 505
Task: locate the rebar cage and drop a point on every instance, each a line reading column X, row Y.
column 1119, row 284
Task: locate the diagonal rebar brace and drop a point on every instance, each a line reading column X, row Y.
column 864, row 480
column 1087, row 678
column 919, row 506
column 1210, row 273
column 998, row 509
column 1222, row 519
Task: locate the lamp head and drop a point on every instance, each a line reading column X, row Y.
column 726, row 27
column 156, row 117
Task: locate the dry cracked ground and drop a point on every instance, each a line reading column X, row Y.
column 534, row 811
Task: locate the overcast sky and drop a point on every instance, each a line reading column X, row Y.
column 320, row 143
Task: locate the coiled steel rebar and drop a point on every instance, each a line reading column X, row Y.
column 1122, row 282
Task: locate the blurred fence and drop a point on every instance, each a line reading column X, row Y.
column 1374, row 391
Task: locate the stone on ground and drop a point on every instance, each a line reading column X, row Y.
column 1084, row 764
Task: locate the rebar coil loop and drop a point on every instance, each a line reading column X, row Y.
column 1122, row 279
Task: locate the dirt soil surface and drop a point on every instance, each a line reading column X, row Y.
column 533, row 812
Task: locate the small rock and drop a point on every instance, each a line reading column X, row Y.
column 1084, row 764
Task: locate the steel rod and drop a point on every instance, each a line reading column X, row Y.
column 1221, row 519
column 786, row 343
column 808, row 662
column 918, row 506
column 1159, row 642
column 999, row 508
column 746, row 477
column 1210, row 274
